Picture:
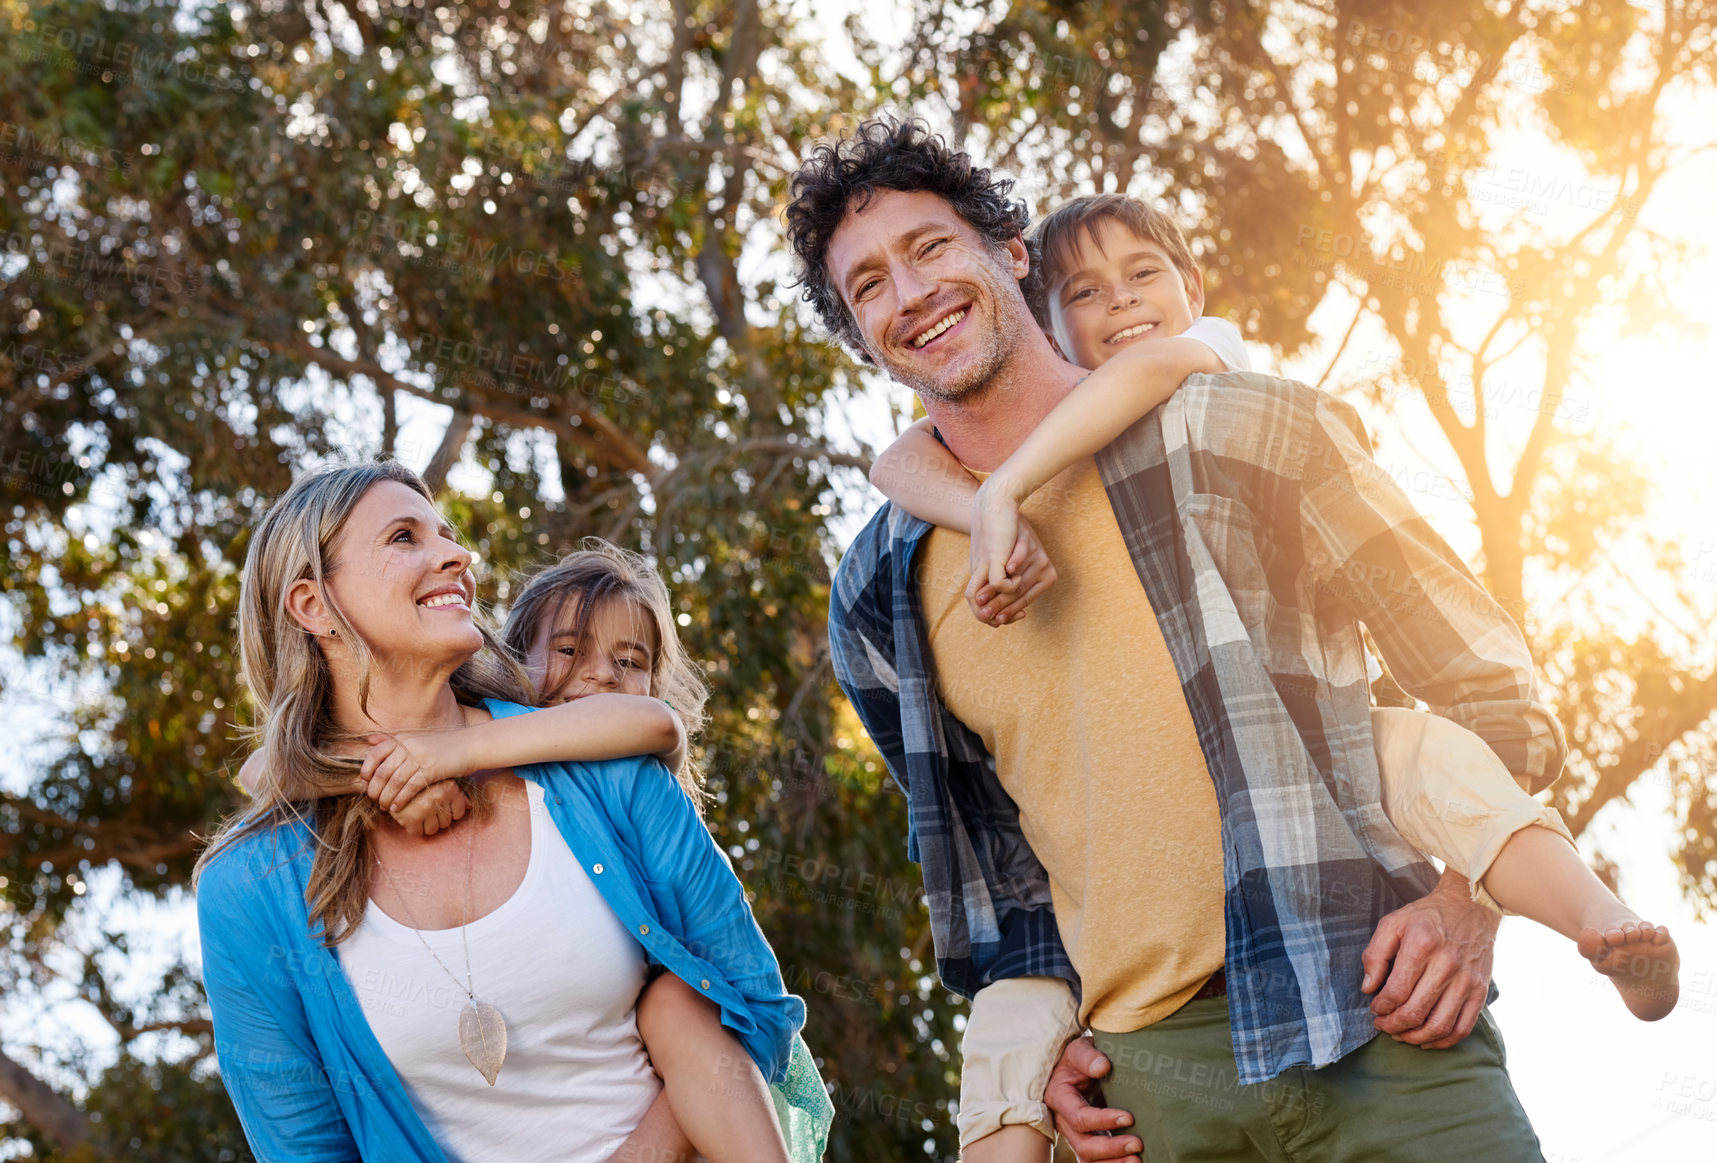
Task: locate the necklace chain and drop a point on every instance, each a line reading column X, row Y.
column 482, row 1027
column 464, row 921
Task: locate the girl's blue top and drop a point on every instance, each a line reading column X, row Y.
column 297, row 1055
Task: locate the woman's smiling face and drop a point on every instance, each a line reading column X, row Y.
column 402, row 581
column 614, row 654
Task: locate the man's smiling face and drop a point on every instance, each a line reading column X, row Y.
column 934, row 300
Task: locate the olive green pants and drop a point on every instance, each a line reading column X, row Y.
column 1386, row 1102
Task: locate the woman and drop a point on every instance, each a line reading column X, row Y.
column 356, row 618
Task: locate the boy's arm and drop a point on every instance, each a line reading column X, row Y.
column 1099, row 408
column 921, row 476
column 595, row 727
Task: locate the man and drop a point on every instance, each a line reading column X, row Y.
column 1235, row 888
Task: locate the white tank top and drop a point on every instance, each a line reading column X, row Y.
column 565, row 974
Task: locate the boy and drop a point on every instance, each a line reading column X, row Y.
column 1123, row 294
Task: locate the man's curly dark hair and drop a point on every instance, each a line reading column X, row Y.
column 886, row 153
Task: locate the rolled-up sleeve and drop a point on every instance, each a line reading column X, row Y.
column 1371, row 554
column 718, row 926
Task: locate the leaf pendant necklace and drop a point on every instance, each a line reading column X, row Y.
column 482, row 1028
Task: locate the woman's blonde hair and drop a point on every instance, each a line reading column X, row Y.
column 291, row 687
column 585, row 580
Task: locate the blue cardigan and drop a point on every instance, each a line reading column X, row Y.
column 297, row 1055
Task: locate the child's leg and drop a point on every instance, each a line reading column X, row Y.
column 1538, row 874
column 1014, row 1143
column 1446, row 791
column 1014, row 1034
column 718, row 1095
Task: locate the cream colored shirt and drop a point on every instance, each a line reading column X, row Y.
column 1082, row 708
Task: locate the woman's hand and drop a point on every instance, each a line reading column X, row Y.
column 401, row 765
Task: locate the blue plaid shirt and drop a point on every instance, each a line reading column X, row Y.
column 1264, row 533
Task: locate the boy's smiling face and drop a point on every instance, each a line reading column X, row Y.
column 1115, row 290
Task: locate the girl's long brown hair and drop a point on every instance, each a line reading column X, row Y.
column 584, row 581
column 291, row 688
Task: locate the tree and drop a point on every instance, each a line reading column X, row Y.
column 240, row 240
column 1339, row 158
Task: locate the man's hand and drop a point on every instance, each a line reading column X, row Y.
column 1072, row 1085
column 399, row 766
column 1441, row 946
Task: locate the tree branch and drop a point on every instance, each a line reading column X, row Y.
column 44, row 1108
column 447, row 452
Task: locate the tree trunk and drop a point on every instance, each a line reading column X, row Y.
column 447, row 454
column 42, row 1107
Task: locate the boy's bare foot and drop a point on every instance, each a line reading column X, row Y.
column 1641, row 960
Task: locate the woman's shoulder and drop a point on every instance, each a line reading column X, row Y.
column 495, row 708
column 239, row 868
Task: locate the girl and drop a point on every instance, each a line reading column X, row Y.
column 1124, row 296
column 385, row 995
column 599, row 621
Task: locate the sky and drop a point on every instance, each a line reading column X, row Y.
column 1599, row 1086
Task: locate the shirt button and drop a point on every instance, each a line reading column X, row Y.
column 705, row 983
column 644, row 929
column 597, row 869
column 557, row 799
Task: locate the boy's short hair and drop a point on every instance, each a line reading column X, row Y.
column 1060, row 232
column 886, row 153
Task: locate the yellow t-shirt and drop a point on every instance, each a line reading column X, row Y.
column 1080, row 704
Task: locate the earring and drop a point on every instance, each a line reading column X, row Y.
column 333, row 633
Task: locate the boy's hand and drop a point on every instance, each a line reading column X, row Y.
column 399, row 766
column 1030, row 573
column 1009, row 565
column 996, row 524
column 435, row 809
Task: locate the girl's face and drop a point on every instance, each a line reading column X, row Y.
column 616, row 655
column 401, row 579
column 1115, row 291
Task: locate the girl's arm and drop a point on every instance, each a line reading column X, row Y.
column 607, row 726
column 921, row 476
column 1099, row 408
column 437, row 808
column 250, row 778
column 657, row 1139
